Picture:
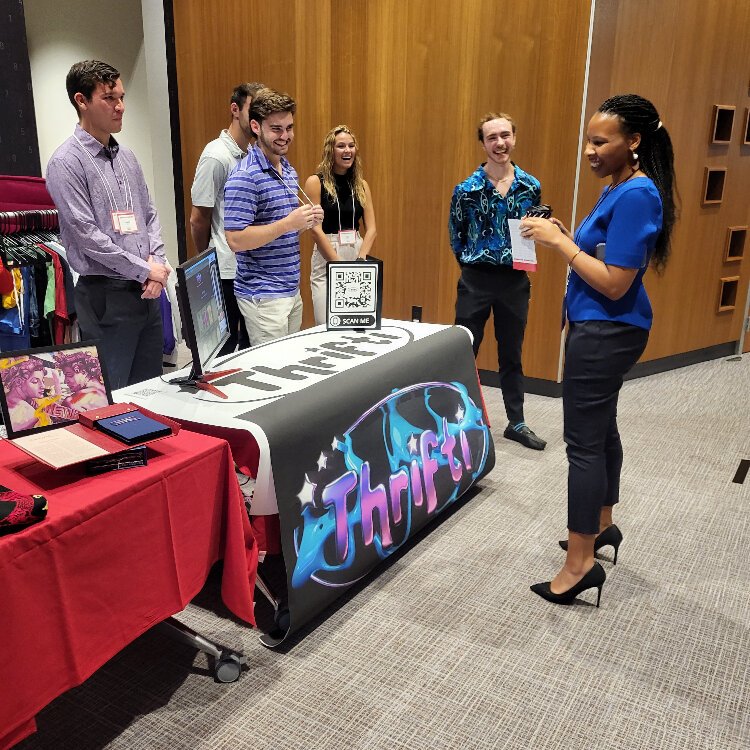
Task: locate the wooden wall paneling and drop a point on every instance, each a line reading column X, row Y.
column 314, row 40
column 391, row 144
column 556, row 90
column 685, row 56
column 722, row 77
column 436, row 79
column 428, row 137
column 411, row 78
column 219, row 45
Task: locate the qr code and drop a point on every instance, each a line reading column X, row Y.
column 354, row 290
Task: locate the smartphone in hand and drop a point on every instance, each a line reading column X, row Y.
column 542, row 211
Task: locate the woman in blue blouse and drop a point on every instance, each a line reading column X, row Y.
column 609, row 316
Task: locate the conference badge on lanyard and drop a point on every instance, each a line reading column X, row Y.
column 124, row 222
column 347, row 236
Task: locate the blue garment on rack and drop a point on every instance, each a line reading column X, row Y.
column 13, row 334
column 166, row 323
column 33, row 308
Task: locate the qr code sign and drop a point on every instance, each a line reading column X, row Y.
column 354, row 290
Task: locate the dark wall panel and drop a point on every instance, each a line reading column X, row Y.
column 19, row 147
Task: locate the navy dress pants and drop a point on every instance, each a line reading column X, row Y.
column 127, row 328
column 505, row 292
column 598, row 354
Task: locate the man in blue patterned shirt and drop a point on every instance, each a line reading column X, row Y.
column 480, row 238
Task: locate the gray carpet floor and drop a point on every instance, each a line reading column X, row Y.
column 448, row 648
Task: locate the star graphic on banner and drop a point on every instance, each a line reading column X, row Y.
column 306, row 494
column 335, row 443
column 322, row 461
column 412, row 443
column 460, row 413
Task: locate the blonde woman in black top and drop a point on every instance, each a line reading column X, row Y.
column 348, row 228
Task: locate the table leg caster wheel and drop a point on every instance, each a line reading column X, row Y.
column 281, row 619
column 228, row 667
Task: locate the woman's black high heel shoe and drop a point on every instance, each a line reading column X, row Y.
column 594, row 579
column 610, row 536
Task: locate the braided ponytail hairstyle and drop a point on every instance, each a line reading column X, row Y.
column 655, row 156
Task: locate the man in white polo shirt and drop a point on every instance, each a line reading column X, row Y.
column 218, row 159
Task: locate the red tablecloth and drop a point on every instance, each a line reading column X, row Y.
column 117, row 554
column 246, row 454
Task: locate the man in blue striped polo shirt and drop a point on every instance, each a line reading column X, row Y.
column 262, row 222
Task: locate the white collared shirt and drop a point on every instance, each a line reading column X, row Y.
column 218, row 159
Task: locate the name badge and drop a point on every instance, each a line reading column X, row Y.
column 124, row 222
column 347, row 236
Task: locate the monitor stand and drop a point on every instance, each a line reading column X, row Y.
column 203, row 382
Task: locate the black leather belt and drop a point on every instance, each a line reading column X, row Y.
column 125, row 285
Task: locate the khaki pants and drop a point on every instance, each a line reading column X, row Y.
column 270, row 319
column 318, row 277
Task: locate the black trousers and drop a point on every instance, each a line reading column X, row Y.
column 128, row 328
column 238, row 338
column 505, row 292
column 598, row 354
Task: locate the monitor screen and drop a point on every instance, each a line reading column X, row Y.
column 204, row 316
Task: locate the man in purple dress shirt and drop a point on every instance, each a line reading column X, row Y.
column 110, row 229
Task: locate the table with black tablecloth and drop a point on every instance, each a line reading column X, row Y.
column 357, row 440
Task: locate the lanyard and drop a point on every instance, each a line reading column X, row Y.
column 110, row 193
column 288, row 189
column 580, row 227
column 354, row 210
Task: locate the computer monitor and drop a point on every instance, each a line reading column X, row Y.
column 203, row 313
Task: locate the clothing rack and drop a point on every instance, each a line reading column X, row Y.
column 12, row 222
column 29, row 316
column 28, row 224
column 16, row 254
column 20, row 234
